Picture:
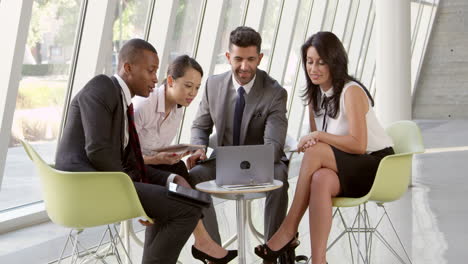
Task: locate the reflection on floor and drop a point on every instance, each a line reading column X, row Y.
column 429, row 218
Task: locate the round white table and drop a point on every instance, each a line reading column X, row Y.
column 241, row 196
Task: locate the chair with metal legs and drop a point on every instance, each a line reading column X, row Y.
column 391, row 182
column 80, row 200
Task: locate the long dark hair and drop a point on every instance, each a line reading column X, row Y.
column 332, row 52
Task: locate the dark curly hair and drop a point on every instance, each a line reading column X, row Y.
column 245, row 37
column 332, row 52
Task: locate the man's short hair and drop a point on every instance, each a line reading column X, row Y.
column 132, row 49
column 245, row 37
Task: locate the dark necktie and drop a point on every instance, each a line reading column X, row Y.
column 325, row 105
column 238, row 112
column 134, row 142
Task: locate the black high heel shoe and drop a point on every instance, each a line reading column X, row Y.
column 202, row 256
column 273, row 256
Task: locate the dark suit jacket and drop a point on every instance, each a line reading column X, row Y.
column 93, row 136
column 264, row 120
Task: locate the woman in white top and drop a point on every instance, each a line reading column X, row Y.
column 342, row 152
column 157, row 119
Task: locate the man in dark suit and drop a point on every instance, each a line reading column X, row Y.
column 100, row 135
column 247, row 107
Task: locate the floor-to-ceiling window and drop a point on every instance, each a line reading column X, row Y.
column 269, row 31
column 422, row 17
column 232, row 19
column 46, row 70
column 128, row 22
column 41, row 96
column 183, row 39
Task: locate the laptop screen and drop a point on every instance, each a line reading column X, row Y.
column 244, row 165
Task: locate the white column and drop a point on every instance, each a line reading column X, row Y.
column 279, row 61
column 96, row 42
column 161, row 30
column 393, row 69
column 14, row 27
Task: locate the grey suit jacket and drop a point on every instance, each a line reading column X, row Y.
column 264, row 120
column 92, row 139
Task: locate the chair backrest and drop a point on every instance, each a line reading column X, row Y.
column 394, row 172
column 86, row 199
column 406, row 137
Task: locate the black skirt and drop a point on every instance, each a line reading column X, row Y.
column 356, row 172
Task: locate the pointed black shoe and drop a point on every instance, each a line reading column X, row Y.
column 273, row 256
column 232, row 254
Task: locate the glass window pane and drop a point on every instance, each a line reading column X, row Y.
column 294, row 58
column 185, row 28
column 349, row 28
column 415, row 12
column 357, row 39
column 369, row 60
column 268, row 32
column 41, row 93
column 330, row 15
column 427, row 17
column 129, row 22
column 232, row 19
column 318, row 11
column 341, row 15
column 361, row 59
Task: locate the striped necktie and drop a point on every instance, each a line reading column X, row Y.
column 134, row 142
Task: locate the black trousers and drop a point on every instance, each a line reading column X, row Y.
column 174, row 220
column 158, row 174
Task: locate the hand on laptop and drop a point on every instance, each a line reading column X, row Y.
column 197, row 155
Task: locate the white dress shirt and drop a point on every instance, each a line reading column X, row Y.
column 155, row 130
column 247, row 87
column 126, row 100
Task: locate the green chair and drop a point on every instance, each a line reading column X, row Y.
column 80, row 200
column 391, row 182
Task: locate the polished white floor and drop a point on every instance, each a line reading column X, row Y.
column 430, row 217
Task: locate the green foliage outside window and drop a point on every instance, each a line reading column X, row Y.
column 40, row 93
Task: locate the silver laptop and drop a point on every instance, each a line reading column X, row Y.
column 249, row 165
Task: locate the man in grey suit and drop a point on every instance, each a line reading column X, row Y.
column 247, row 107
column 100, row 135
